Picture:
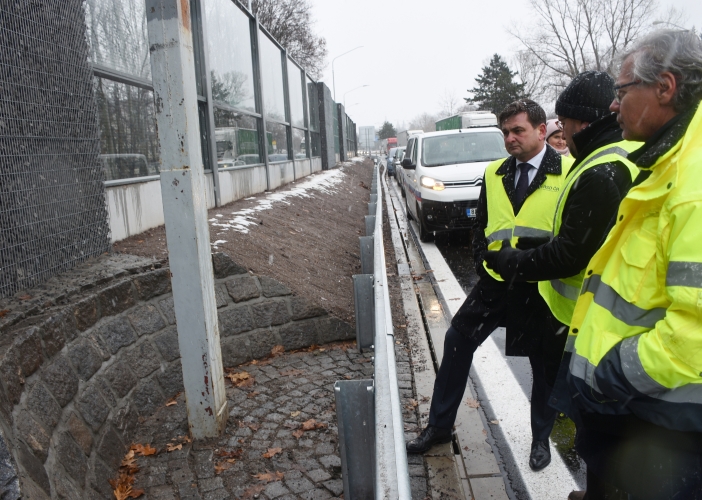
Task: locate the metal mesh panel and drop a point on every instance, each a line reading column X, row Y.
column 52, row 196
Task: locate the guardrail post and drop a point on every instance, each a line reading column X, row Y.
column 373, row 198
column 372, row 208
column 355, row 411
column 364, row 306
column 366, row 254
column 187, row 232
column 370, row 225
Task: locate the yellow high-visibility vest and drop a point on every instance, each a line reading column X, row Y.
column 643, row 292
column 561, row 294
column 535, row 218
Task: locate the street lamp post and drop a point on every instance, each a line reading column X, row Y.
column 337, row 57
column 349, row 91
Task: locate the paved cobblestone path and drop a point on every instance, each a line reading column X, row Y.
column 266, row 413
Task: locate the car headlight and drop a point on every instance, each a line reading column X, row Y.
column 430, row 183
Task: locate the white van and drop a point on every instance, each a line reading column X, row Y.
column 442, row 174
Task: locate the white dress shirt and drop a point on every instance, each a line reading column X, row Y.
column 534, row 162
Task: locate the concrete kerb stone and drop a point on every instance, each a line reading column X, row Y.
column 76, row 376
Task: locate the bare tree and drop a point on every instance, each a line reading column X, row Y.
column 572, row 36
column 449, row 103
column 290, row 23
column 533, row 75
column 424, row 121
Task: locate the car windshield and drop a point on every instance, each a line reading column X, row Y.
column 462, row 148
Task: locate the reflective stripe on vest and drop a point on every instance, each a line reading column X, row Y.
column 561, row 294
column 684, row 274
column 535, row 217
column 607, row 297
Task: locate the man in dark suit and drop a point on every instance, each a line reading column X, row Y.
column 518, row 198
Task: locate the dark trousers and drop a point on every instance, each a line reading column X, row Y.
column 631, row 459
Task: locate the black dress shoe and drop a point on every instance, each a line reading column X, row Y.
column 540, row 455
column 429, row 437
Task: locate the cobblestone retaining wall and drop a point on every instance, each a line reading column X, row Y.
column 79, row 374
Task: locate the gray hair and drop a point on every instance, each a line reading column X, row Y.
column 676, row 51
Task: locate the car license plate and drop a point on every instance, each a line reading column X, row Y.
column 470, row 212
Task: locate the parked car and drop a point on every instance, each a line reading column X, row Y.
column 393, row 160
column 442, row 174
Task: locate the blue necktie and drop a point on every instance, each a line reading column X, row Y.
column 522, row 185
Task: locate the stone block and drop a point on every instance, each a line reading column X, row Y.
column 99, row 344
column 121, row 378
column 332, row 329
column 43, row 405
column 303, row 309
column 168, row 310
column 223, row 266
column 9, row 478
column 111, row 448
column 105, row 390
column 146, row 319
column 153, row 283
column 221, row 296
column 93, row 407
column 61, row 380
column 234, row 320
column 100, row 475
column 56, row 331
column 147, row 398
column 11, row 374
column 299, row 334
column 34, row 435
column 27, row 345
column 116, row 298
column 171, row 379
column 86, row 312
column 270, row 313
column 262, row 343
column 81, row 433
column 85, row 358
column 117, row 333
column 272, row 288
column 167, row 343
column 242, row 288
column 125, row 418
column 34, row 468
column 142, row 359
column 72, row 457
column 235, row 351
column 65, row 489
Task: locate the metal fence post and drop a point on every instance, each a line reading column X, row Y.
column 184, row 205
column 364, row 308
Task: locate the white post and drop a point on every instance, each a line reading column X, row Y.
column 184, row 206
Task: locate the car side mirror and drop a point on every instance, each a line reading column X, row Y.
column 407, row 163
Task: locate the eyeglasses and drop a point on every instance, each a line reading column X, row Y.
column 618, row 96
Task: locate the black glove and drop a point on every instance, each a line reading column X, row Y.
column 529, row 242
column 502, row 262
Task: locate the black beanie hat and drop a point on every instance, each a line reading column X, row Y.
column 587, row 97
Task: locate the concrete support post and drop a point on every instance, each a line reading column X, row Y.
column 326, row 126
column 184, row 205
column 341, row 117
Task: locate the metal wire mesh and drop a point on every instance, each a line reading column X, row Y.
column 52, row 195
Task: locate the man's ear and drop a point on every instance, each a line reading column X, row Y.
column 542, row 131
column 666, row 87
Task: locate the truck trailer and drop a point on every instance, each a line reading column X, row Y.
column 467, row 119
column 404, row 136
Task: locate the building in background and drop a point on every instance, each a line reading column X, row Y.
column 367, row 139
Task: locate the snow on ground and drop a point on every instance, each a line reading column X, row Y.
column 322, row 182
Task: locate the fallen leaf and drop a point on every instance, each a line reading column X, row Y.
column 291, row 373
column 24, row 297
column 472, row 403
column 172, row 401
column 495, row 422
column 295, row 414
column 252, row 394
column 312, row 424
column 221, row 467
column 240, row 379
column 253, row 491
column 254, row 427
column 466, row 448
column 268, row 476
column 272, row 452
column 173, row 447
column 143, row 450
column 4, row 312
column 298, row 433
column 230, row 454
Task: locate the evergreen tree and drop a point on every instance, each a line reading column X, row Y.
column 387, row 130
column 496, row 87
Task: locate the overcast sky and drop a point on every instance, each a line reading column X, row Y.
column 416, row 51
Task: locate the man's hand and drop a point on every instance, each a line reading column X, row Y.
column 503, row 262
column 529, row 242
